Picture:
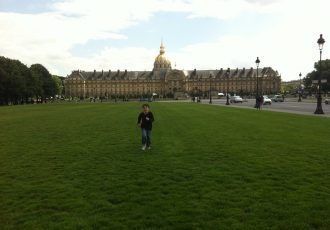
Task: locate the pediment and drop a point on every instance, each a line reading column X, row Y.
column 175, row 75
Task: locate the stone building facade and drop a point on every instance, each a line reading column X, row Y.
column 164, row 81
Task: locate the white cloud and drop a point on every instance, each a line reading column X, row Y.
column 288, row 45
column 218, row 9
column 114, row 58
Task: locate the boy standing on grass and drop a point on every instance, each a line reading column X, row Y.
column 145, row 120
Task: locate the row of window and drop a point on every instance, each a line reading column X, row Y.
column 188, row 80
column 162, row 83
column 154, row 87
column 251, row 88
column 270, row 84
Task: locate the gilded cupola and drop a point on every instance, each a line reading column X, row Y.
column 161, row 61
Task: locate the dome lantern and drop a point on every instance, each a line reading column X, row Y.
column 161, row 61
column 162, row 48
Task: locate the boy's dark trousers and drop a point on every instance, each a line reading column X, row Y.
column 146, row 137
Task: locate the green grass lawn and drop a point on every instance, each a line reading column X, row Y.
column 79, row 166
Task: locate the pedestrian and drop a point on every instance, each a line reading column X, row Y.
column 145, row 120
column 261, row 101
column 258, row 102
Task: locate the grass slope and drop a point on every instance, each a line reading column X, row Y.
column 79, row 166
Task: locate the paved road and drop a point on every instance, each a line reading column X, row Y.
column 307, row 108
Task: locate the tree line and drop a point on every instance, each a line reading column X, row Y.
column 20, row 84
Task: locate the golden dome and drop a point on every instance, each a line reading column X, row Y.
column 161, row 61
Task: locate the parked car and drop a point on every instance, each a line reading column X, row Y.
column 327, row 101
column 267, row 100
column 236, row 99
column 278, row 98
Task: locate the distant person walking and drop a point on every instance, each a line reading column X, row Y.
column 145, row 120
column 261, row 101
column 258, row 102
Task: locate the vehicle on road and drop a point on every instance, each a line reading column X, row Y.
column 236, row 99
column 278, row 98
column 267, row 100
column 327, row 101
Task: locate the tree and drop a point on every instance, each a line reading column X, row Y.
column 314, row 75
column 59, row 85
column 3, row 87
column 14, row 82
column 20, row 84
column 291, row 88
column 45, row 86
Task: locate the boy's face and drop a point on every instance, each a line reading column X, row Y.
column 145, row 109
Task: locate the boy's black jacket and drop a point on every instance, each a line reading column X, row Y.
column 146, row 119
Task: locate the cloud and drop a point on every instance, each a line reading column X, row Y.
column 287, row 44
column 263, row 2
column 218, row 9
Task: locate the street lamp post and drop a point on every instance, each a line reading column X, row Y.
column 116, row 91
column 210, row 102
column 198, row 89
column 319, row 109
column 299, row 100
column 257, row 93
column 84, row 89
column 227, row 96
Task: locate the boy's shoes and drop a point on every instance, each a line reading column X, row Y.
column 144, row 147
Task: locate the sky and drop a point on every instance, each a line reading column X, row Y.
column 67, row 35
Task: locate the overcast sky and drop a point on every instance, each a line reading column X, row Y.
column 66, row 35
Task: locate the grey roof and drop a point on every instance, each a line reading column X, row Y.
column 239, row 73
column 115, row 75
column 160, row 74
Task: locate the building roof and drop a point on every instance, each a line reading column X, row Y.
column 161, row 74
column 238, row 73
